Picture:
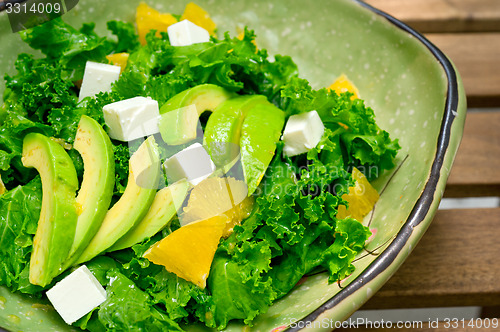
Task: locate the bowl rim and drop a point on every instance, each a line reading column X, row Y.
column 423, row 205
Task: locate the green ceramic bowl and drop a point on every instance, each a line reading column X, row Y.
column 417, row 96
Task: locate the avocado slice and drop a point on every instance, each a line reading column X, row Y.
column 2, row 186
column 260, row 132
column 58, row 217
column 134, row 204
column 94, row 197
column 179, row 115
column 248, row 126
column 164, row 208
column 223, row 129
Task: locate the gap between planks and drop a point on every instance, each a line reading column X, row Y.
column 455, row 264
column 477, row 58
column 475, row 171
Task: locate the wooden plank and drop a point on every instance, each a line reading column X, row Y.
column 477, row 57
column 444, row 15
column 456, row 263
column 476, row 170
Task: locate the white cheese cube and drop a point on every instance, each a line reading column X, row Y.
column 193, row 163
column 76, row 295
column 302, row 133
column 186, row 33
column 132, row 118
column 98, row 77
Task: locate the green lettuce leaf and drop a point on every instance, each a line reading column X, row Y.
column 37, row 88
column 234, row 293
column 229, row 62
column 362, row 142
column 12, row 133
column 72, row 48
column 128, row 40
column 350, row 238
column 128, row 307
column 19, row 213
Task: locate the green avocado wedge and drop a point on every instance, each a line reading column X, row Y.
column 58, row 216
column 130, row 209
column 96, row 191
column 2, row 187
column 179, row 115
column 247, row 126
column 260, row 132
column 163, row 209
column 223, row 129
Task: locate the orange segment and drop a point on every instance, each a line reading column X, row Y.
column 199, row 16
column 219, row 196
column 343, row 84
column 148, row 19
column 361, row 198
column 118, row 59
column 215, row 205
column 189, row 251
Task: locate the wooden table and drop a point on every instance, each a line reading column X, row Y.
column 457, row 262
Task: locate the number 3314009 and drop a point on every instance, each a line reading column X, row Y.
column 35, row 8
column 472, row 323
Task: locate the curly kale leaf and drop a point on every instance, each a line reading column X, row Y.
column 127, row 39
column 72, row 48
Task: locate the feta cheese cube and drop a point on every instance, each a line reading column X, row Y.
column 193, row 163
column 132, row 118
column 186, row 33
column 98, row 77
column 76, row 295
column 302, row 133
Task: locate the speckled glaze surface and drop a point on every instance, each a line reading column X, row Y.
column 415, row 92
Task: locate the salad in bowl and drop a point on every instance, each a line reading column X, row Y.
column 171, row 176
